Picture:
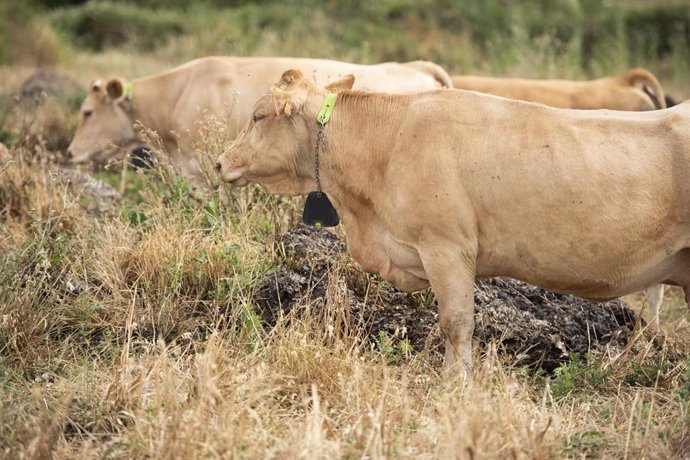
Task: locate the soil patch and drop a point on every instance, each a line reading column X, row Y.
column 533, row 326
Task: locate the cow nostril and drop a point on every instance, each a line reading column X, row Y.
column 69, row 153
column 218, row 166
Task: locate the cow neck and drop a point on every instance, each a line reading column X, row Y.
column 151, row 106
column 140, row 105
column 358, row 141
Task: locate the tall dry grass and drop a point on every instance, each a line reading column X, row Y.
column 132, row 334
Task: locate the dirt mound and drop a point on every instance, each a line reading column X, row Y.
column 43, row 83
column 536, row 327
column 43, row 110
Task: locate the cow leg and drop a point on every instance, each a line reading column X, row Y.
column 453, row 284
column 655, row 296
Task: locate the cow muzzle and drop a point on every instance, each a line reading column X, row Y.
column 234, row 178
column 77, row 157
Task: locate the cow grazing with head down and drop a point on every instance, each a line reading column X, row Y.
column 173, row 102
column 636, row 90
column 440, row 187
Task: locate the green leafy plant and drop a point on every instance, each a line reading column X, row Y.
column 578, row 376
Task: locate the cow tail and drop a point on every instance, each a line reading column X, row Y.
column 433, row 69
column 646, row 81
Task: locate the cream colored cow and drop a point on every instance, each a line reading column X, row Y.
column 440, row 187
column 171, row 103
column 636, row 90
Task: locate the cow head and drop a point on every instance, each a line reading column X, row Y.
column 276, row 147
column 105, row 121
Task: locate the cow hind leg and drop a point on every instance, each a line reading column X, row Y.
column 655, row 296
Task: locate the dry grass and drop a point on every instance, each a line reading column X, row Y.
column 133, row 335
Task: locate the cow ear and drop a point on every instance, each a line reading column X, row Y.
column 115, row 88
column 289, row 102
column 344, row 83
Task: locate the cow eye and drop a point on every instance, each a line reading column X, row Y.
column 87, row 113
column 258, row 117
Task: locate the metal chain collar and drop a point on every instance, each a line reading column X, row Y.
column 320, row 138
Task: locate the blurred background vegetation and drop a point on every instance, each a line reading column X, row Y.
column 532, row 38
column 81, row 40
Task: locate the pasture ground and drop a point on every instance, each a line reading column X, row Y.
column 129, row 329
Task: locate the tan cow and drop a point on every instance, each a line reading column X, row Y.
column 440, row 187
column 636, row 90
column 171, row 103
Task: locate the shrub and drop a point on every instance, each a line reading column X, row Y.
column 99, row 25
column 26, row 37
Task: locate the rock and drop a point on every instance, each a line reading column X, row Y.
column 43, row 83
column 533, row 327
column 98, row 195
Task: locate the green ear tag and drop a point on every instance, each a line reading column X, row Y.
column 326, row 108
column 128, row 91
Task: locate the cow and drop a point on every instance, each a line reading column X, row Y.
column 670, row 101
column 636, row 90
column 437, row 188
column 171, row 103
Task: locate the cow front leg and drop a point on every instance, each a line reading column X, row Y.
column 452, row 279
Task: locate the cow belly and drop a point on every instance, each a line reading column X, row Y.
column 594, row 280
column 403, row 266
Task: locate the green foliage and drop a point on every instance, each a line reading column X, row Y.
column 589, row 37
column 648, row 372
column 576, row 377
column 99, row 25
column 251, row 330
column 26, row 37
column 135, row 217
column 585, row 443
column 656, row 30
column 11, row 12
column 395, row 351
